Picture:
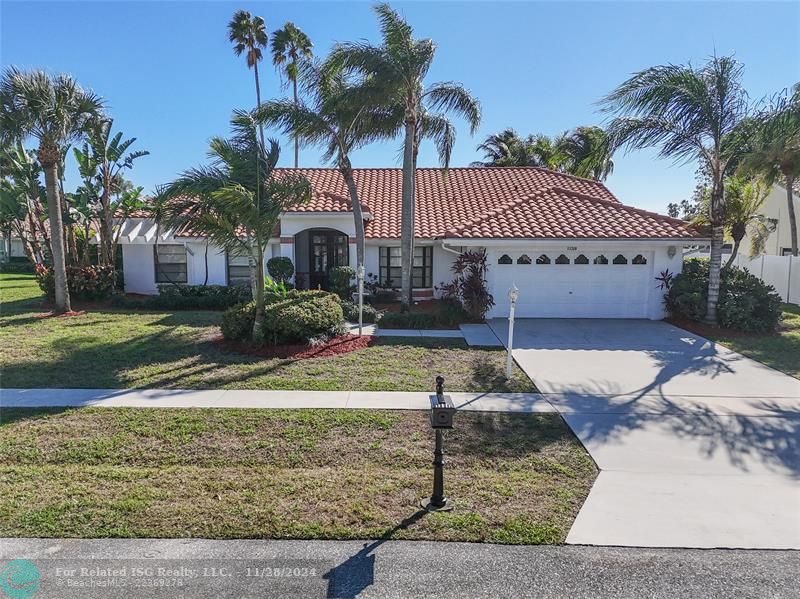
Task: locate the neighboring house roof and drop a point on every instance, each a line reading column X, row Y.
column 487, row 202
column 490, row 202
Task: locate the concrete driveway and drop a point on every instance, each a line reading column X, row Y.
column 698, row 446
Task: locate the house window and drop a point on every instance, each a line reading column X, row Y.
column 543, row 259
column 620, row 259
column 581, row 260
column 238, row 269
column 170, row 263
column 505, row 259
column 639, row 259
column 390, row 267
column 601, row 259
column 562, row 259
column 524, row 259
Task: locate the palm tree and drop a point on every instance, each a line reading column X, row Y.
column 55, row 110
column 340, row 118
column 237, row 200
column 587, row 153
column 400, row 64
column 249, row 35
column 24, row 195
column 102, row 161
column 690, row 114
column 774, row 153
column 289, row 46
column 744, row 198
column 506, row 148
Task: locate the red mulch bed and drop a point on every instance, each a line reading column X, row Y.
column 337, row 345
column 707, row 330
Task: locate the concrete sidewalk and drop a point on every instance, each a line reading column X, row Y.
column 191, row 398
column 394, row 569
column 376, row 331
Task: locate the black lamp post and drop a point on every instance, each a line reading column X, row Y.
column 442, row 413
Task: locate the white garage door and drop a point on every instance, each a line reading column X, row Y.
column 611, row 284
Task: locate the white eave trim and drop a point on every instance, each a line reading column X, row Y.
column 496, row 242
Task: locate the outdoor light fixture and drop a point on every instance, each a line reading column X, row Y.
column 442, row 415
column 360, row 277
column 513, row 294
column 671, row 251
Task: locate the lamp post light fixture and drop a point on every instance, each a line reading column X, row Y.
column 442, row 413
column 360, row 277
column 513, row 294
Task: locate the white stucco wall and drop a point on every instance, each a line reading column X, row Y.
column 776, row 206
column 139, row 268
column 196, row 264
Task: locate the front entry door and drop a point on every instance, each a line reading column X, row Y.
column 328, row 250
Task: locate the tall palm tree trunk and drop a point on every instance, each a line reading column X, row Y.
column 358, row 216
column 407, row 217
column 258, row 323
column 296, row 139
column 792, row 215
column 251, row 260
column 715, row 263
column 50, row 167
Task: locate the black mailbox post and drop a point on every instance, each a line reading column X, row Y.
column 442, row 413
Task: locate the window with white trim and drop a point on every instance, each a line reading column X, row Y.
column 170, row 263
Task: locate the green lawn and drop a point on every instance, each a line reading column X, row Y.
column 325, row 474
column 118, row 349
column 780, row 351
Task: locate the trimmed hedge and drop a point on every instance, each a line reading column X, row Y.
column 300, row 317
column 340, row 281
column 187, row 297
column 746, row 303
column 84, row 282
column 350, row 310
column 450, row 314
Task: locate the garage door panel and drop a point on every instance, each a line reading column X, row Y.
column 572, row 290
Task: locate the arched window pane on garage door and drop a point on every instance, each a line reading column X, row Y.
column 620, row 259
column 505, row 259
column 639, row 259
column 581, row 260
column 601, row 259
column 543, row 259
column 562, row 259
column 524, row 259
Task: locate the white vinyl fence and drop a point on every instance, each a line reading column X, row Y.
column 782, row 272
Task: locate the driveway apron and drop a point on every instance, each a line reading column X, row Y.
column 698, row 446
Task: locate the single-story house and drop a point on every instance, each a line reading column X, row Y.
column 570, row 247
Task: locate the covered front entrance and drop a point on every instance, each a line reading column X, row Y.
column 318, row 251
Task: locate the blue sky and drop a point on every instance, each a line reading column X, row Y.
column 171, row 79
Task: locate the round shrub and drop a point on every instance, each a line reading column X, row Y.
column 745, row 303
column 350, row 310
column 339, row 280
column 237, row 322
column 303, row 317
column 280, row 268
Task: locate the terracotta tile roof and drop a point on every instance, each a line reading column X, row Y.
column 563, row 214
column 487, row 202
column 491, row 202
